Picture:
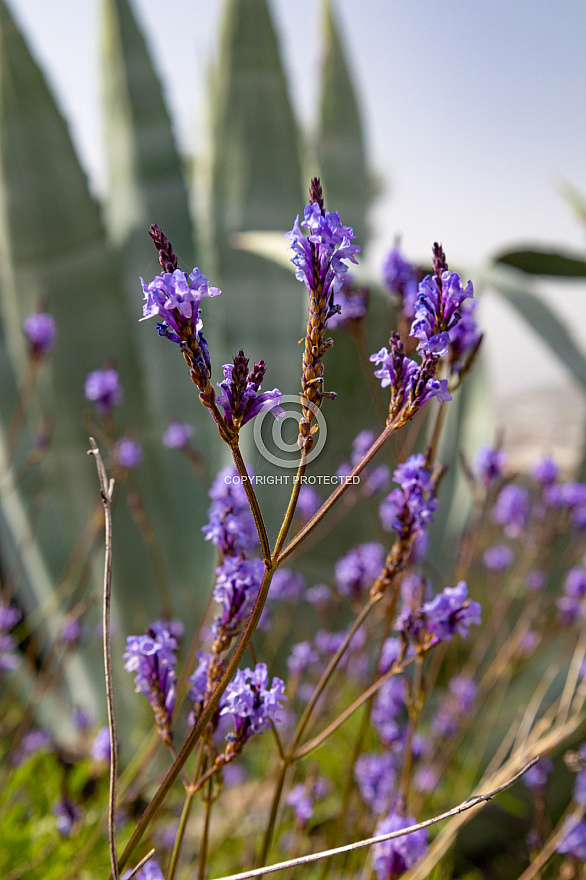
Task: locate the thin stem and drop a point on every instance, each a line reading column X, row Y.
column 252, row 500
column 107, row 489
column 203, row 848
column 270, row 829
column 289, row 513
column 469, row 804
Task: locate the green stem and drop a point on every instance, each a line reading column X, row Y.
column 289, row 513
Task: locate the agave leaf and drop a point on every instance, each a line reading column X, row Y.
column 146, row 186
column 542, row 262
column 341, row 149
column 544, row 321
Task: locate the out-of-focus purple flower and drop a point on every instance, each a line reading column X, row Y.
column 70, row 632
column 308, row 502
column 390, row 653
column 575, row 583
column 302, row 655
column 536, row 580
column 150, row 871
column 152, row 658
column 41, row 332
column 545, row 471
column 299, row 799
column 234, row 775
column 570, row 605
column 231, row 526
column 358, row 570
column 104, row 389
column 452, row 613
column 353, row 304
column 376, row 776
column 458, row 703
column 498, row 557
column 410, row 508
column 128, row 453
column 411, row 384
column 393, row 857
column 465, row 337
column 414, row 590
column 252, row 704
column 438, row 310
column 178, row 435
column 402, row 278
column 241, row 399
column 512, row 509
column 81, row 718
column 33, row 742
column 318, row 595
column 9, row 617
column 489, row 464
column 573, row 843
column 320, row 258
column 536, row 777
column 426, row 778
column 66, row 814
column 100, row 748
column 199, row 679
column 569, row 496
column 237, row 583
column 287, row 585
column 388, row 708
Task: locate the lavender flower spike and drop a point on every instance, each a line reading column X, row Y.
column 253, row 705
column 439, row 306
column 241, row 399
column 40, row 330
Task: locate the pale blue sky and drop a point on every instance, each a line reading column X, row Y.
column 475, row 111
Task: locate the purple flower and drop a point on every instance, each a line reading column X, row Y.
column 308, row 502
column 536, row 777
column 287, row 585
column 9, row 617
column 103, row 387
column 252, row 703
column 176, row 298
column 152, row 658
column 459, row 702
column 100, row 748
column 391, row 651
column 410, row 508
column 393, row 857
column 401, row 277
column 358, row 570
column 535, row 580
column 36, row 740
column 150, row 871
column 237, row 583
column 545, row 471
column 438, row 311
column 388, row 708
column 231, row 526
column 376, row 776
column 465, row 337
column 178, row 435
column 299, row 799
column 81, row 718
column 302, row 655
column 574, row 840
column 451, row 613
column 40, row 330
column 570, row 604
column 241, row 399
column 411, row 384
column 498, row 557
column 66, row 814
column 71, row 630
column 318, row 595
column 489, row 464
column 512, row 510
column 319, row 258
column 199, row 679
column 352, row 303
column 129, row 453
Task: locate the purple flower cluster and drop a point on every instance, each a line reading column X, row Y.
column 129, row 453
column 352, row 304
column 41, row 332
column 574, row 840
column 512, row 510
column 237, row 583
column 199, row 679
column 489, row 464
column 100, row 749
column 104, row 389
column 411, row 384
column 241, row 399
column 498, row 557
column 451, row 613
column 438, row 311
column 410, row 508
column 230, row 526
column 376, row 776
column 395, row 856
column 178, row 435
column 358, row 570
column 402, row 278
column 9, row 617
column 252, row 703
column 388, row 710
column 571, row 604
column 150, row 871
column 302, row 798
column 66, row 814
column 458, row 703
column 176, row 298
column 319, row 257
column 152, row 658
column 35, row 741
